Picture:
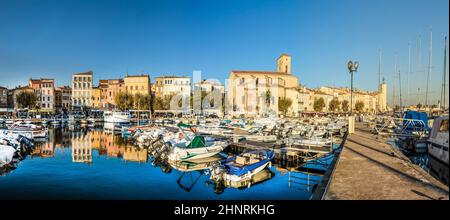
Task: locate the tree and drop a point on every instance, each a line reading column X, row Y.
column 26, row 99
column 319, row 104
column 334, row 105
column 142, row 102
column 284, row 104
column 268, row 97
column 158, row 103
column 345, row 106
column 359, row 106
column 124, row 101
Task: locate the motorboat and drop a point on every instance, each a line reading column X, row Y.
column 6, row 154
column 197, row 148
column 243, row 166
column 29, row 131
column 116, row 117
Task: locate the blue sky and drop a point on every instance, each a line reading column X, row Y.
column 110, row 37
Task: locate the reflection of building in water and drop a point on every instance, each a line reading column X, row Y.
column 45, row 149
column 97, row 138
column 134, row 154
column 81, row 148
column 115, row 147
column 62, row 137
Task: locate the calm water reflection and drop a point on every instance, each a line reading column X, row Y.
column 93, row 164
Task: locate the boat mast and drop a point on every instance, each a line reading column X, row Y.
column 430, row 58
column 394, row 97
column 444, row 77
column 419, row 68
column 408, row 94
column 400, row 91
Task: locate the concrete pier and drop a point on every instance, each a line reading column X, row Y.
column 371, row 169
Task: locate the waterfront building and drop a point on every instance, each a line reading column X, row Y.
column 109, row 88
column 45, row 93
column 3, row 100
column 251, row 92
column 82, row 89
column 137, row 84
column 63, row 98
column 213, row 90
column 96, row 98
column 166, row 86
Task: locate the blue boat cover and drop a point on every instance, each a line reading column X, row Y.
column 422, row 116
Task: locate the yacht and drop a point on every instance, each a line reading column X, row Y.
column 438, row 140
column 116, row 117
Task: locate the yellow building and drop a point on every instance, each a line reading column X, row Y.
column 256, row 92
column 138, row 84
column 96, row 97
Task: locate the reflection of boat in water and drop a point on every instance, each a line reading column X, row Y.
column 259, row 177
column 195, row 165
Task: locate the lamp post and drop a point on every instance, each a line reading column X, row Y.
column 352, row 67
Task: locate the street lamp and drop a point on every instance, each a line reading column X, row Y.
column 352, row 67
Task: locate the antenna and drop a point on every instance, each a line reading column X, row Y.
column 430, row 60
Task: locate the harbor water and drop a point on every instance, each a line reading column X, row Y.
column 87, row 163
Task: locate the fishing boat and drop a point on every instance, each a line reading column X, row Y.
column 243, row 166
column 116, row 117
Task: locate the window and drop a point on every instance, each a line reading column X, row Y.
column 444, row 126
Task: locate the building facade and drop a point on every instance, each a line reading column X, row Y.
column 82, row 89
column 3, row 100
column 257, row 92
column 45, row 93
column 109, row 88
column 166, row 86
column 63, row 98
column 138, row 84
column 96, row 97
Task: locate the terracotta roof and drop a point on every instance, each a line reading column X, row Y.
column 143, row 75
column 84, row 73
column 162, row 77
column 258, row 72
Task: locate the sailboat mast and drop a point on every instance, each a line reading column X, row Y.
column 419, row 68
column 408, row 94
column 444, row 77
column 430, row 60
column 394, row 96
column 400, row 90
